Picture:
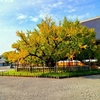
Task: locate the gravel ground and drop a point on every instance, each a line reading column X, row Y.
column 29, row 88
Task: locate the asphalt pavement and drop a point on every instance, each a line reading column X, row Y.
column 5, row 68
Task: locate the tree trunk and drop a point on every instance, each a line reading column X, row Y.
column 50, row 63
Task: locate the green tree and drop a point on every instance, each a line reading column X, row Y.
column 52, row 42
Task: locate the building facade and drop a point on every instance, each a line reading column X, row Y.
column 93, row 23
column 3, row 62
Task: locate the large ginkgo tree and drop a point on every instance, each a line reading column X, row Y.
column 52, row 42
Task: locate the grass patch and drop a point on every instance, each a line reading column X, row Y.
column 19, row 73
column 48, row 74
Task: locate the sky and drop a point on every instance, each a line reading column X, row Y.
column 17, row 15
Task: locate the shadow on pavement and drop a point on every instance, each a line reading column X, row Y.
column 92, row 76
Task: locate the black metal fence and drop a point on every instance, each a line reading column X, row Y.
column 44, row 69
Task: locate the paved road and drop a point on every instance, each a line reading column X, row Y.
column 29, row 88
column 5, row 68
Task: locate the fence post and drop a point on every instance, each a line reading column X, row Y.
column 43, row 69
column 43, row 66
column 55, row 69
column 2, row 73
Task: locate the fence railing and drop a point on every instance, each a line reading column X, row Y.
column 51, row 69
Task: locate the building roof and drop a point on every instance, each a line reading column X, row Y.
column 93, row 23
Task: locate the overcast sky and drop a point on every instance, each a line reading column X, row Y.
column 25, row 14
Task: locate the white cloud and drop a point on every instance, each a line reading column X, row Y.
column 30, row 2
column 71, row 9
column 33, row 2
column 24, row 18
column 57, row 4
column 34, row 19
column 7, row 29
column 42, row 15
column 47, row 9
column 6, row 0
column 21, row 16
column 80, row 17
